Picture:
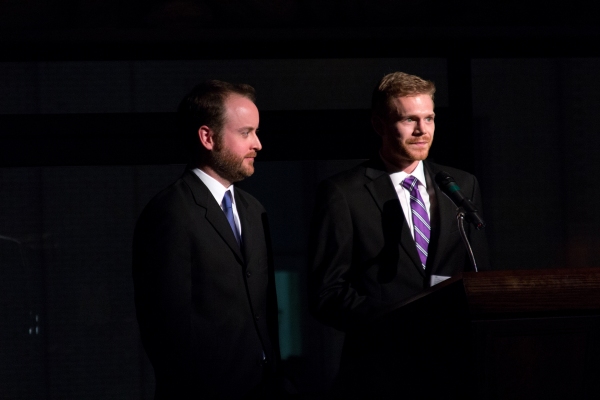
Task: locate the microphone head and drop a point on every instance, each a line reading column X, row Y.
column 447, row 184
column 451, row 189
column 443, row 178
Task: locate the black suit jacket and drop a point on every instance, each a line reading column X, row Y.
column 364, row 258
column 207, row 309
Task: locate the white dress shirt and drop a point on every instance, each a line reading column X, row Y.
column 218, row 191
column 404, row 195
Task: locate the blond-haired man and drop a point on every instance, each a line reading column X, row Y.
column 383, row 232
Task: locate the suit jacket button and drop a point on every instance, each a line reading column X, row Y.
column 257, row 316
column 248, row 273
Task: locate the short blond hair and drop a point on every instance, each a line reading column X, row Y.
column 398, row 84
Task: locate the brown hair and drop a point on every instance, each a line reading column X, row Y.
column 205, row 105
column 397, row 84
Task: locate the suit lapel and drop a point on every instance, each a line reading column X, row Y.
column 248, row 237
column 214, row 213
column 445, row 220
column 394, row 222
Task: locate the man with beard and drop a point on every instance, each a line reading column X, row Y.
column 202, row 260
column 382, row 233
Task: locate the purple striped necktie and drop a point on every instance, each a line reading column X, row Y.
column 419, row 216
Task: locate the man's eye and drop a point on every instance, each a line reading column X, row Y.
column 409, row 120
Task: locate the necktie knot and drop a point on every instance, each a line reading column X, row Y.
column 227, row 201
column 410, row 182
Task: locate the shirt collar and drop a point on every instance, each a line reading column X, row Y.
column 419, row 173
column 215, row 187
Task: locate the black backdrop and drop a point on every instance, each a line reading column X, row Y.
column 516, row 105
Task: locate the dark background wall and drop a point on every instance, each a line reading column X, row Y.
column 88, row 91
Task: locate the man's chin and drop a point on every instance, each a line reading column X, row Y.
column 242, row 174
column 247, row 168
column 418, row 155
column 248, row 173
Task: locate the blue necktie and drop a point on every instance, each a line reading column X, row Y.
column 227, row 201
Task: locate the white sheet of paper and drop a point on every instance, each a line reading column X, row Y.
column 435, row 279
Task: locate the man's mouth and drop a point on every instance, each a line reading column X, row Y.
column 419, row 143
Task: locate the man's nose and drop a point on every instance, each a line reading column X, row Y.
column 419, row 126
column 256, row 145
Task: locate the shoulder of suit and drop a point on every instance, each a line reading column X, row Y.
column 454, row 172
column 169, row 206
column 349, row 176
column 175, row 193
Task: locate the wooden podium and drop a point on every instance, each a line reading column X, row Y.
column 514, row 334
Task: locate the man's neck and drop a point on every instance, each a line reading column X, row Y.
column 208, row 170
column 392, row 166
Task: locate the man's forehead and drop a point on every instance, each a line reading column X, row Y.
column 398, row 102
column 241, row 112
column 410, row 96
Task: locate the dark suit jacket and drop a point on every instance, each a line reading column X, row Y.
column 206, row 309
column 363, row 257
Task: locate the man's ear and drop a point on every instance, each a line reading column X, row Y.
column 377, row 124
column 206, row 137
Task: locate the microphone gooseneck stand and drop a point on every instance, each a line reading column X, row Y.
column 460, row 217
column 466, row 208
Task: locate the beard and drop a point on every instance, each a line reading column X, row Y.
column 230, row 166
column 408, row 153
column 400, row 153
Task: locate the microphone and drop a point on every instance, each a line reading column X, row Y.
column 448, row 185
